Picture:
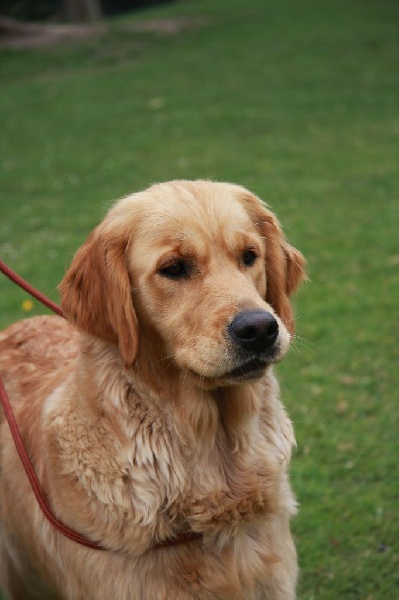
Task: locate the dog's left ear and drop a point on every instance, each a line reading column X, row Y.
column 285, row 265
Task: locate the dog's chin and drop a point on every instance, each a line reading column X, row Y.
column 246, row 371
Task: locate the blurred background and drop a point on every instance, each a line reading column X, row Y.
column 298, row 101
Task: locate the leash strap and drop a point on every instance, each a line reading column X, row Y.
column 30, row 289
column 12, row 423
column 35, row 484
column 26, row 462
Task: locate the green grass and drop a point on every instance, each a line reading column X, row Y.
column 297, row 101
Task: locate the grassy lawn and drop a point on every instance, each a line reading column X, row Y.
column 299, row 102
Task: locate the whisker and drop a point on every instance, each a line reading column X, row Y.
column 298, row 345
column 167, row 367
column 297, row 340
column 171, row 356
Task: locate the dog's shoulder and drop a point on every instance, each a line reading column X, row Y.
column 33, row 350
column 38, row 338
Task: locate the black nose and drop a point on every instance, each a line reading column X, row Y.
column 254, row 330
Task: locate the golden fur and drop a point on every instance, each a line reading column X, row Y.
column 136, row 428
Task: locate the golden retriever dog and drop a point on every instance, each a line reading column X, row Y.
column 153, row 411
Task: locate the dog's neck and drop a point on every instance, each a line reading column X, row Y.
column 202, row 412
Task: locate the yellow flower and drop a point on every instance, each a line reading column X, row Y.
column 27, row 305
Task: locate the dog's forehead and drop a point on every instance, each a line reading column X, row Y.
column 213, row 215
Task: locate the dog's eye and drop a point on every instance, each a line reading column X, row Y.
column 175, row 270
column 249, row 257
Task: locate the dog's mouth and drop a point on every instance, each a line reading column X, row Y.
column 246, row 371
column 250, row 369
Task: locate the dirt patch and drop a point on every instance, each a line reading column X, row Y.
column 167, row 26
column 16, row 34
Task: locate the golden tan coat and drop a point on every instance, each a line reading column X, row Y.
column 134, row 422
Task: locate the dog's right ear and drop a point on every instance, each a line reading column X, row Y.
column 96, row 293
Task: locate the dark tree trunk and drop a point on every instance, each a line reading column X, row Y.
column 82, row 10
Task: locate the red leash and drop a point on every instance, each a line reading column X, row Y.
column 26, row 462
column 35, row 484
column 31, row 290
column 16, row 434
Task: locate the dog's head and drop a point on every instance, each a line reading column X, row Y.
column 194, row 271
